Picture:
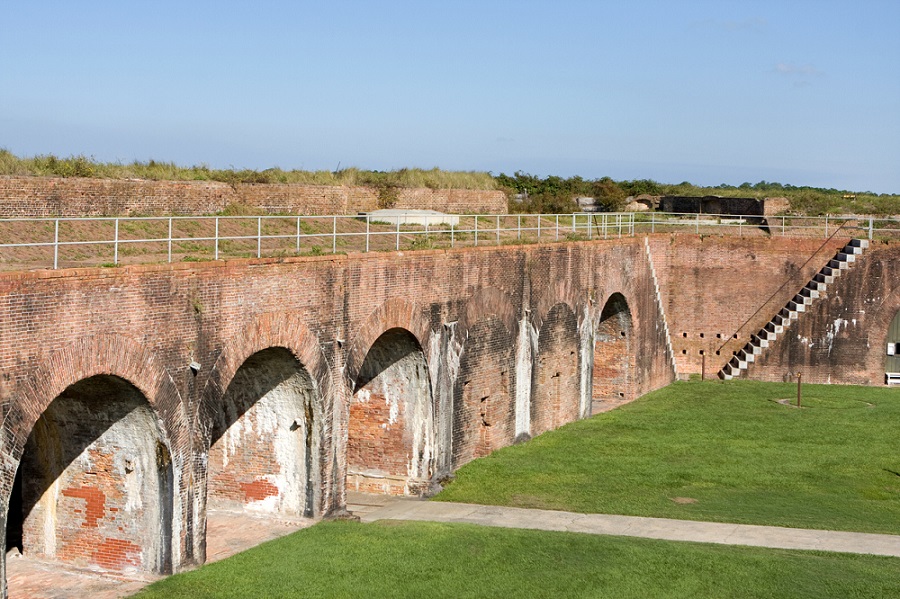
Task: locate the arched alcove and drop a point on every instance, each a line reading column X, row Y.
column 614, row 355
column 264, row 440
column 391, row 440
column 94, row 485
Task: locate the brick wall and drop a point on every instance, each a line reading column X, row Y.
column 715, row 288
column 56, row 196
column 190, row 337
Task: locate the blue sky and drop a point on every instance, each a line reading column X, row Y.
column 799, row 92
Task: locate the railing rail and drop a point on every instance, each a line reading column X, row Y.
column 83, row 241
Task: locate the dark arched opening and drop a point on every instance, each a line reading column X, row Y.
column 390, row 447
column 264, row 441
column 614, row 358
column 95, row 482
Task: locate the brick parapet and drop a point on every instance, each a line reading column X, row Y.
column 38, row 197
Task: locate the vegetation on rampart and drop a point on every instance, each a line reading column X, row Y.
column 533, row 194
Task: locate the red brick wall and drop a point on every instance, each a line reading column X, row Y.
column 711, row 286
column 842, row 337
column 556, row 384
column 149, row 324
column 55, row 196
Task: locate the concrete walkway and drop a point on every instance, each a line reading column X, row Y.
column 372, row 508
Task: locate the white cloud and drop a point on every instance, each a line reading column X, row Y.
column 804, row 70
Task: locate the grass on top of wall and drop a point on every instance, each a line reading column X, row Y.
column 411, row 559
column 725, row 452
column 49, row 165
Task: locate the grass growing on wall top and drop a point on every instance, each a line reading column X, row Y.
column 411, row 559
column 82, row 166
column 725, row 452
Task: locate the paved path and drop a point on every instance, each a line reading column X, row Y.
column 372, row 508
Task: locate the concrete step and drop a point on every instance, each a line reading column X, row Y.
column 792, row 305
column 837, row 265
column 844, row 257
column 810, row 293
column 802, row 299
column 758, row 341
column 746, row 357
column 774, row 327
column 860, row 243
column 852, row 249
column 752, row 349
column 819, row 286
column 826, row 275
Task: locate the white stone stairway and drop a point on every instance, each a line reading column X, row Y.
column 791, row 312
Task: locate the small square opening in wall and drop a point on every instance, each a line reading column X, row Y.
column 684, row 335
column 684, row 352
column 718, row 335
column 701, row 335
column 718, row 352
column 701, row 352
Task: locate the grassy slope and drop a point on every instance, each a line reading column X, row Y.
column 740, row 455
column 343, row 559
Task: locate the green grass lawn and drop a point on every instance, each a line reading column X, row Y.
column 725, row 452
column 408, row 559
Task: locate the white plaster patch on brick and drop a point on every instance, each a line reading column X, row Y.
column 586, row 349
column 526, row 349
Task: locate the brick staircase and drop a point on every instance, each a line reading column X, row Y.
column 791, row 312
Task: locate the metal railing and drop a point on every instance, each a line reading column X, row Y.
column 110, row 241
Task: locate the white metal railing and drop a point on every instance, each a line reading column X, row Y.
column 92, row 241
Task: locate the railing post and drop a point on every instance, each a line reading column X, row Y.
column 557, row 227
column 170, row 239
column 398, row 233
column 367, row 233
column 116, row 244
column 652, row 223
column 574, row 230
column 782, row 226
column 604, row 224
column 56, row 244
column 539, row 228
column 590, row 221
column 497, row 231
column 258, row 236
column 518, row 227
column 826, row 225
column 334, row 235
column 476, row 230
column 698, row 223
column 217, row 239
column 298, row 234
column 452, row 232
column 871, row 230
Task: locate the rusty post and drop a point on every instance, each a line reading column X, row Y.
column 799, row 382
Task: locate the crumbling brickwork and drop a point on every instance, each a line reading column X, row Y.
column 236, row 385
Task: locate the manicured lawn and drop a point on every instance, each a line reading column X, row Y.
column 713, row 451
column 407, row 559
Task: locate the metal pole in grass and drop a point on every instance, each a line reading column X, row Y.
column 298, row 234
column 799, row 382
column 476, row 230
column 334, row 235
column 398, row 233
column 826, row 225
column 170, row 239
column 367, row 233
column 870, row 228
column 258, row 236
column 217, row 238
column 116, row 244
column 56, row 244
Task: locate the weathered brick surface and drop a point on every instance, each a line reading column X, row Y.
column 842, row 338
column 718, row 291
column 505, row 320
column 56, row 196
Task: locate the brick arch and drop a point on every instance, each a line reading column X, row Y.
column 273, row 329
column 489, row 301
column 395, row 313
column 556, row 385
column 99, row 354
